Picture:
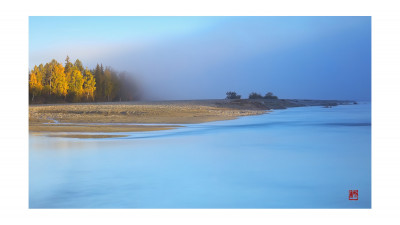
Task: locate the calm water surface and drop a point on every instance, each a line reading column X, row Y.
column 307, row 157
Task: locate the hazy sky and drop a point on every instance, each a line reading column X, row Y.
column 204, row 57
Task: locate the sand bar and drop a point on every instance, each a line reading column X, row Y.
column 55, row 117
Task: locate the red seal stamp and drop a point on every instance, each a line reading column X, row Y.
column 353, row 194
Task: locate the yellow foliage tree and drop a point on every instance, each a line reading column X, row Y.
column 59, row 81
column 89, row 85
column 76, row 83
column 68, row 69
column 35, row 82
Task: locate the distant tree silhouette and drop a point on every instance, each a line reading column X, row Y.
column 232, row 95
column 255, row 95
column 270, row 95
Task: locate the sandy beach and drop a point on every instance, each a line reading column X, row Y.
column 117, row 116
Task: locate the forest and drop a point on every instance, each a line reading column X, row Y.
column 71, row 82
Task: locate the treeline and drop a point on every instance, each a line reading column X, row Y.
column 54, row 82
column 253, row 95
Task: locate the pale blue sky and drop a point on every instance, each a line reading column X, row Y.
column 203, row 57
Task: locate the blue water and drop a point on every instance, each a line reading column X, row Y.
column 308, row 157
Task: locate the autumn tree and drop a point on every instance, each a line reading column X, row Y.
column 89, row 85
column 76, row 84
column 59, row 84
column 48, row 76
column 35, row 82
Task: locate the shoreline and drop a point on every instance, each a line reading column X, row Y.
column 80, row 117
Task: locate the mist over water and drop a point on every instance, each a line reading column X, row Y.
column 308, row 157
column 176, row 58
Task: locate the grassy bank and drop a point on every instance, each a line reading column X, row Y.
column 162, row 112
